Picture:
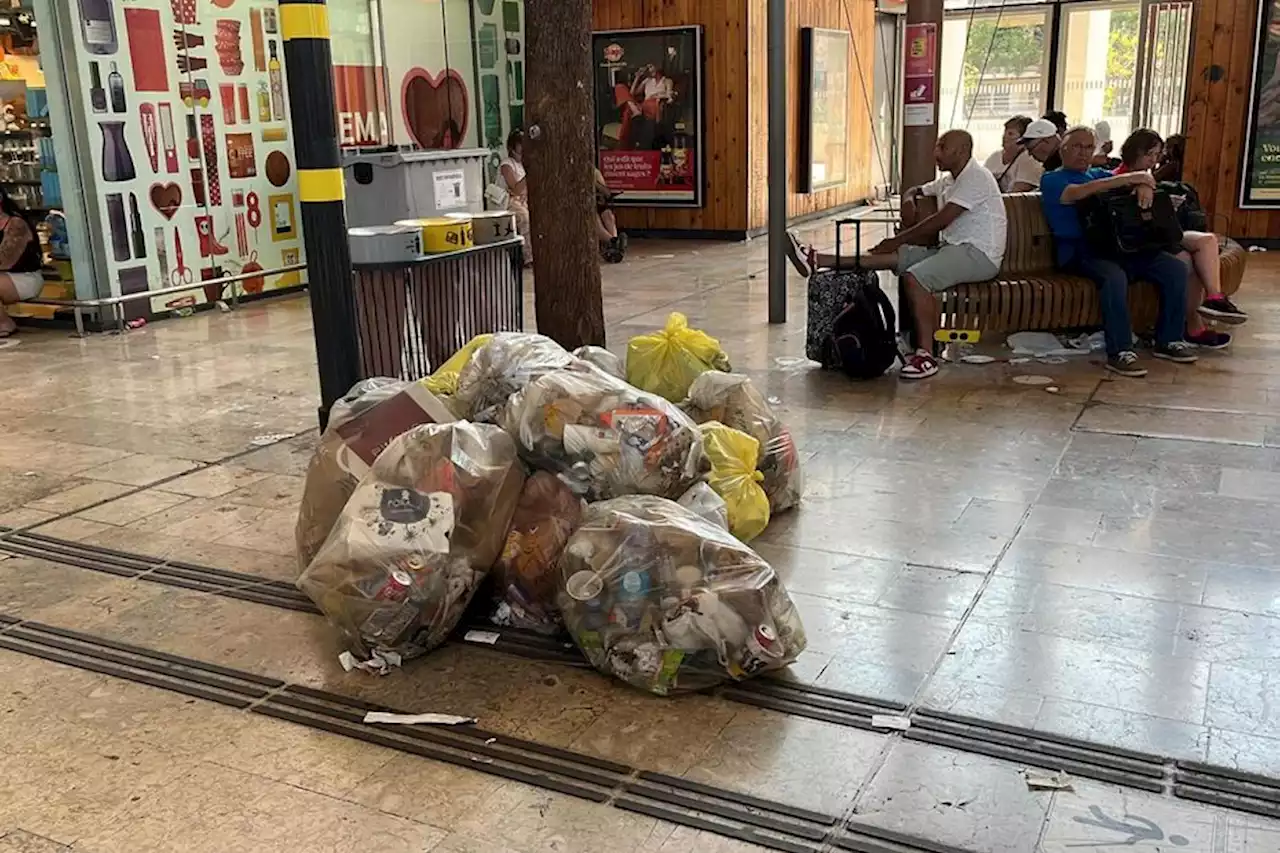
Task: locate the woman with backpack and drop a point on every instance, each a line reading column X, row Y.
column 1141, row 152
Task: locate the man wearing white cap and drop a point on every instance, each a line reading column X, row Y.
column 1042, row 142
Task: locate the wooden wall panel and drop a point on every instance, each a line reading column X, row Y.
column 724, row 108
column 1224, row 38
column 856, row 17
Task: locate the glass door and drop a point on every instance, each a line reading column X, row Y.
column 1098, row 66
column 884, row 101
column 1164, row 51
column 994, row 66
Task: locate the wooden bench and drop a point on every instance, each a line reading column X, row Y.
column 1031, row 295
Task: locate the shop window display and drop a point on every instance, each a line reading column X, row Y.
column 193, row 171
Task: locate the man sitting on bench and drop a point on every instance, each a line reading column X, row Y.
column 970, row 226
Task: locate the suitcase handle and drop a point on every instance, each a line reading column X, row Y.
column 857, row 241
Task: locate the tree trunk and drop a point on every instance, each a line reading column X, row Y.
column 559, row 155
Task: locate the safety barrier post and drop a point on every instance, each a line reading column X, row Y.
column 304, row 27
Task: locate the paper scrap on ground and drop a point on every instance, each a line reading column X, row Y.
column 1043, row 780
column 890, row 721
column 417, row 719
column 273, row 438
column 379, row 664
column 1032, row 379
column 486, row 637
column 977, row 358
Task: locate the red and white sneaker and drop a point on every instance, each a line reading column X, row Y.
column 918, row 365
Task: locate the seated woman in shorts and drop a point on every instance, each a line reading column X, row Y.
column 1141, row 152
column 20, row 261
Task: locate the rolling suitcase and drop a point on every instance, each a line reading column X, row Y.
column 854, row 298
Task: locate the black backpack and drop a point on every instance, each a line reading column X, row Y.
column 1115, row 225
column 863, row 343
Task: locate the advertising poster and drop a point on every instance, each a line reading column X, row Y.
column 649, row 114
column 919, row 85
column 1260, row 186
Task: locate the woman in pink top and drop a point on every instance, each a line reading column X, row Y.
column 1141, row 153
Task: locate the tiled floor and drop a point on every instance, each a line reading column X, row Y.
column 1102, row 562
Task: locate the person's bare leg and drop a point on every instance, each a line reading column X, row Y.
column 602, row 231
column 610, row 222
column 8, row 296
column 1195, row 294
column 1204, row 260
column 924, row 310
column 887, row 261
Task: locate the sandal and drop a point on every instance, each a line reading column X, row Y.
column 801, row 257
column 918, row 365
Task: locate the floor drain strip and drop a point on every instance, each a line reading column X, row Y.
column 1117, row 765
column 736, row 815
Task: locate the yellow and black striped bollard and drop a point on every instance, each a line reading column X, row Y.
column 304, row 27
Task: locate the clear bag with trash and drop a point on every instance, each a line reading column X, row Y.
column 500, row 368
column 524, row 578
column 602, row 436
column 329, row 484
column 603, row 359
column 734, row 401
column 417, row 537
column 703, row 501
column 670, row 602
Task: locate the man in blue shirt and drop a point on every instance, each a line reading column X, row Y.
column 1060, row 191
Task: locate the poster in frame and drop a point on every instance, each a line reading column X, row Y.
column 1260, row 171
column 649, row 93
column 824, row 109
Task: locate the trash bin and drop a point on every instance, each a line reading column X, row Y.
column 412, row 313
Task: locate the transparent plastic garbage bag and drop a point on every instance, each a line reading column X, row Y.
column 500, row 368
column 670, row 602
column 417, row 537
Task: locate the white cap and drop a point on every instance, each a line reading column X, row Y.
column 1041, row 128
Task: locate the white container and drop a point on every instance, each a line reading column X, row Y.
column 386, row 186
column 384, row 244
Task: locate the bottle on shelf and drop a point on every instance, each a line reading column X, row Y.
column 97, row 94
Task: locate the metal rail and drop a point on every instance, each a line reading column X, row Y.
column 79, row 306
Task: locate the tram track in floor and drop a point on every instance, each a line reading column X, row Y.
column 1220, row 786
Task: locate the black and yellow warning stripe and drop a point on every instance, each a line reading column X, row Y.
column 304, row 27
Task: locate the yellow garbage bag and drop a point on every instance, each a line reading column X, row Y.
column 445, row 380
column 734, row 477
column 666, row 362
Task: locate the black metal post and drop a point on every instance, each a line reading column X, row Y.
column 777, row 43
column 304, row 27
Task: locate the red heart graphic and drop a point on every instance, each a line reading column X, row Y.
column 166, row 198
column 435, row 107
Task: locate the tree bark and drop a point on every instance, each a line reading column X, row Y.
column 559, row 156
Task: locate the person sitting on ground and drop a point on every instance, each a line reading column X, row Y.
column 20, row 261
column 613, row 243
column 1016, row 171
column 971, row 227
column 1141, row 153
column 1042, row 142
column 1061, row 190
column 511, row 175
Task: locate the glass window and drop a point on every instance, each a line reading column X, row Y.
column 1097, row 65
column 993, row 67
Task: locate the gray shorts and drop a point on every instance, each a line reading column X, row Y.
column 940, row 267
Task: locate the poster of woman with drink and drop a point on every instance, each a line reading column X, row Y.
column 649, row 114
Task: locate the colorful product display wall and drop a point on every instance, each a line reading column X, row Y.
column 499, row 46
column 194, row 172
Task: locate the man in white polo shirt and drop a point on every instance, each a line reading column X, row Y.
column 970, row 227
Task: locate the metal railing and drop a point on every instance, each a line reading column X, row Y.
column 114, row 303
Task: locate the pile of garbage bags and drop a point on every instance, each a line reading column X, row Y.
column 573, row 496
column 670, row 602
